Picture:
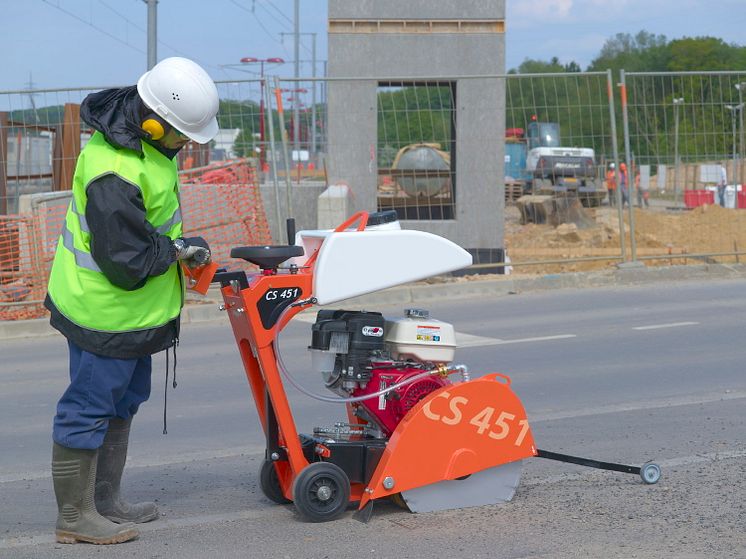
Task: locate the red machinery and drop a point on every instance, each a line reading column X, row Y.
column 417, row 427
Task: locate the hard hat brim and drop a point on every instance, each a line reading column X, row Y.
column 204, row 135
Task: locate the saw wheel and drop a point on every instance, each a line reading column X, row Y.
column 490, row 486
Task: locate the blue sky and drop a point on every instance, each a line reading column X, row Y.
column 75, row 43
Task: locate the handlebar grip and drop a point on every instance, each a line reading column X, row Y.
column 291, row 230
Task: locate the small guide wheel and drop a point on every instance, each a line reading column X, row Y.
column 321, row 492
column 270, row 483
column 650, row 473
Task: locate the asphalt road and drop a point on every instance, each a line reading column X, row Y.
column 627, row 375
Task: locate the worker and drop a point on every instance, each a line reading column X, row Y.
column 116, row 289
column 642, row 189
column 611, row 184
column 722, row 182
column 624, row 184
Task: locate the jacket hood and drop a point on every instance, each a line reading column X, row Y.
column 116, row 113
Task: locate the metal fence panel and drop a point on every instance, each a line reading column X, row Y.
column 686, row 133
column 220, row 191
column 680, row 129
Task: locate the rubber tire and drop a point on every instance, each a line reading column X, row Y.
column 650, row 473
column 309, row 480
column 269, row 483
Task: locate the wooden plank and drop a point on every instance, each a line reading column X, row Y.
column 66, row 148
column 534, row 253
column 70, row 143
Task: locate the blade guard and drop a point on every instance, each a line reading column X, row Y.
column 455, row 431
column 198, row 279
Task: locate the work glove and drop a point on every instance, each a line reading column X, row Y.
column 193, row 251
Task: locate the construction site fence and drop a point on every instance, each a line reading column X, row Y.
column 678, row 130
column 220, row 202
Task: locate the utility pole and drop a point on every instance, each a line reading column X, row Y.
column 31, row 97
column 152, row 32
column 313, row 97
column 627, row 157
column 740, row 87
column 733, row 110
column 313, row 90
column 296, row 111
column 676, row 102
column 261, row 61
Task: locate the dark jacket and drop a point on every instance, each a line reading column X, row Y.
column 124, row 245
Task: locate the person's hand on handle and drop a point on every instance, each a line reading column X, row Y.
column 193, row 251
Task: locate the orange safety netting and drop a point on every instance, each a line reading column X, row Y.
column 22, row 276
column 221, row 203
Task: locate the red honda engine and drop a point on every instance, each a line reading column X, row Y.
column 361, row 353
column 387, row 410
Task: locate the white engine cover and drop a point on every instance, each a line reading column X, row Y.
column 355, row 263
column 422, row 339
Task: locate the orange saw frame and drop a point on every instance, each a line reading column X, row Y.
column 453, row 432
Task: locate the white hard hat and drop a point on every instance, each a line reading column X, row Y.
column 180, row 91
column 612, row 165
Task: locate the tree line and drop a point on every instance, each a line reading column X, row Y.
column 579, row 102
column 581, row 106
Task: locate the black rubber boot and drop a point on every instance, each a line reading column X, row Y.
column 111, row 458
column 74, row 477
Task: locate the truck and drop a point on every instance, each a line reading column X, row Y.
column 549, row 167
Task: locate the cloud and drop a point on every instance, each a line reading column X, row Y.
column 523, row 12
column 543, row 9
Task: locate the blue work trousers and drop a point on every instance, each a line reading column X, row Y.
column 100, row 389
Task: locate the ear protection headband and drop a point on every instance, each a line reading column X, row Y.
column 155, row 126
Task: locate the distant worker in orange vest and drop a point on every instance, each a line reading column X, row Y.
column 611, row 184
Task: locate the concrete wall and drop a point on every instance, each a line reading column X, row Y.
column 305, row 201
column 480, row 118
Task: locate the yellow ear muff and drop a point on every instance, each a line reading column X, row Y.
column 154, row 128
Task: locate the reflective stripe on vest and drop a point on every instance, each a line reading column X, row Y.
column 166, row 227
column 162, row 230
column 81, row 217
column 82, row 258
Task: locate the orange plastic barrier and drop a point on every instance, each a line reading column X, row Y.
column 695, row 198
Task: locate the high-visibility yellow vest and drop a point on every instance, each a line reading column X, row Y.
column 77, row 287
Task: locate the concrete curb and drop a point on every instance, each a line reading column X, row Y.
column 206, row 309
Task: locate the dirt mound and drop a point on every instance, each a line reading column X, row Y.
column 658, row 231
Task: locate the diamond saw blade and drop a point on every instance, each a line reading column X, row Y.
column 490, row 486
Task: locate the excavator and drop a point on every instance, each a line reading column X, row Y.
column 559, row 181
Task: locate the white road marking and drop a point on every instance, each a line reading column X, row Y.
column 670, row 325
column 469, row 340
column 309, row 317
column 464, row 340
column 659, row 403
